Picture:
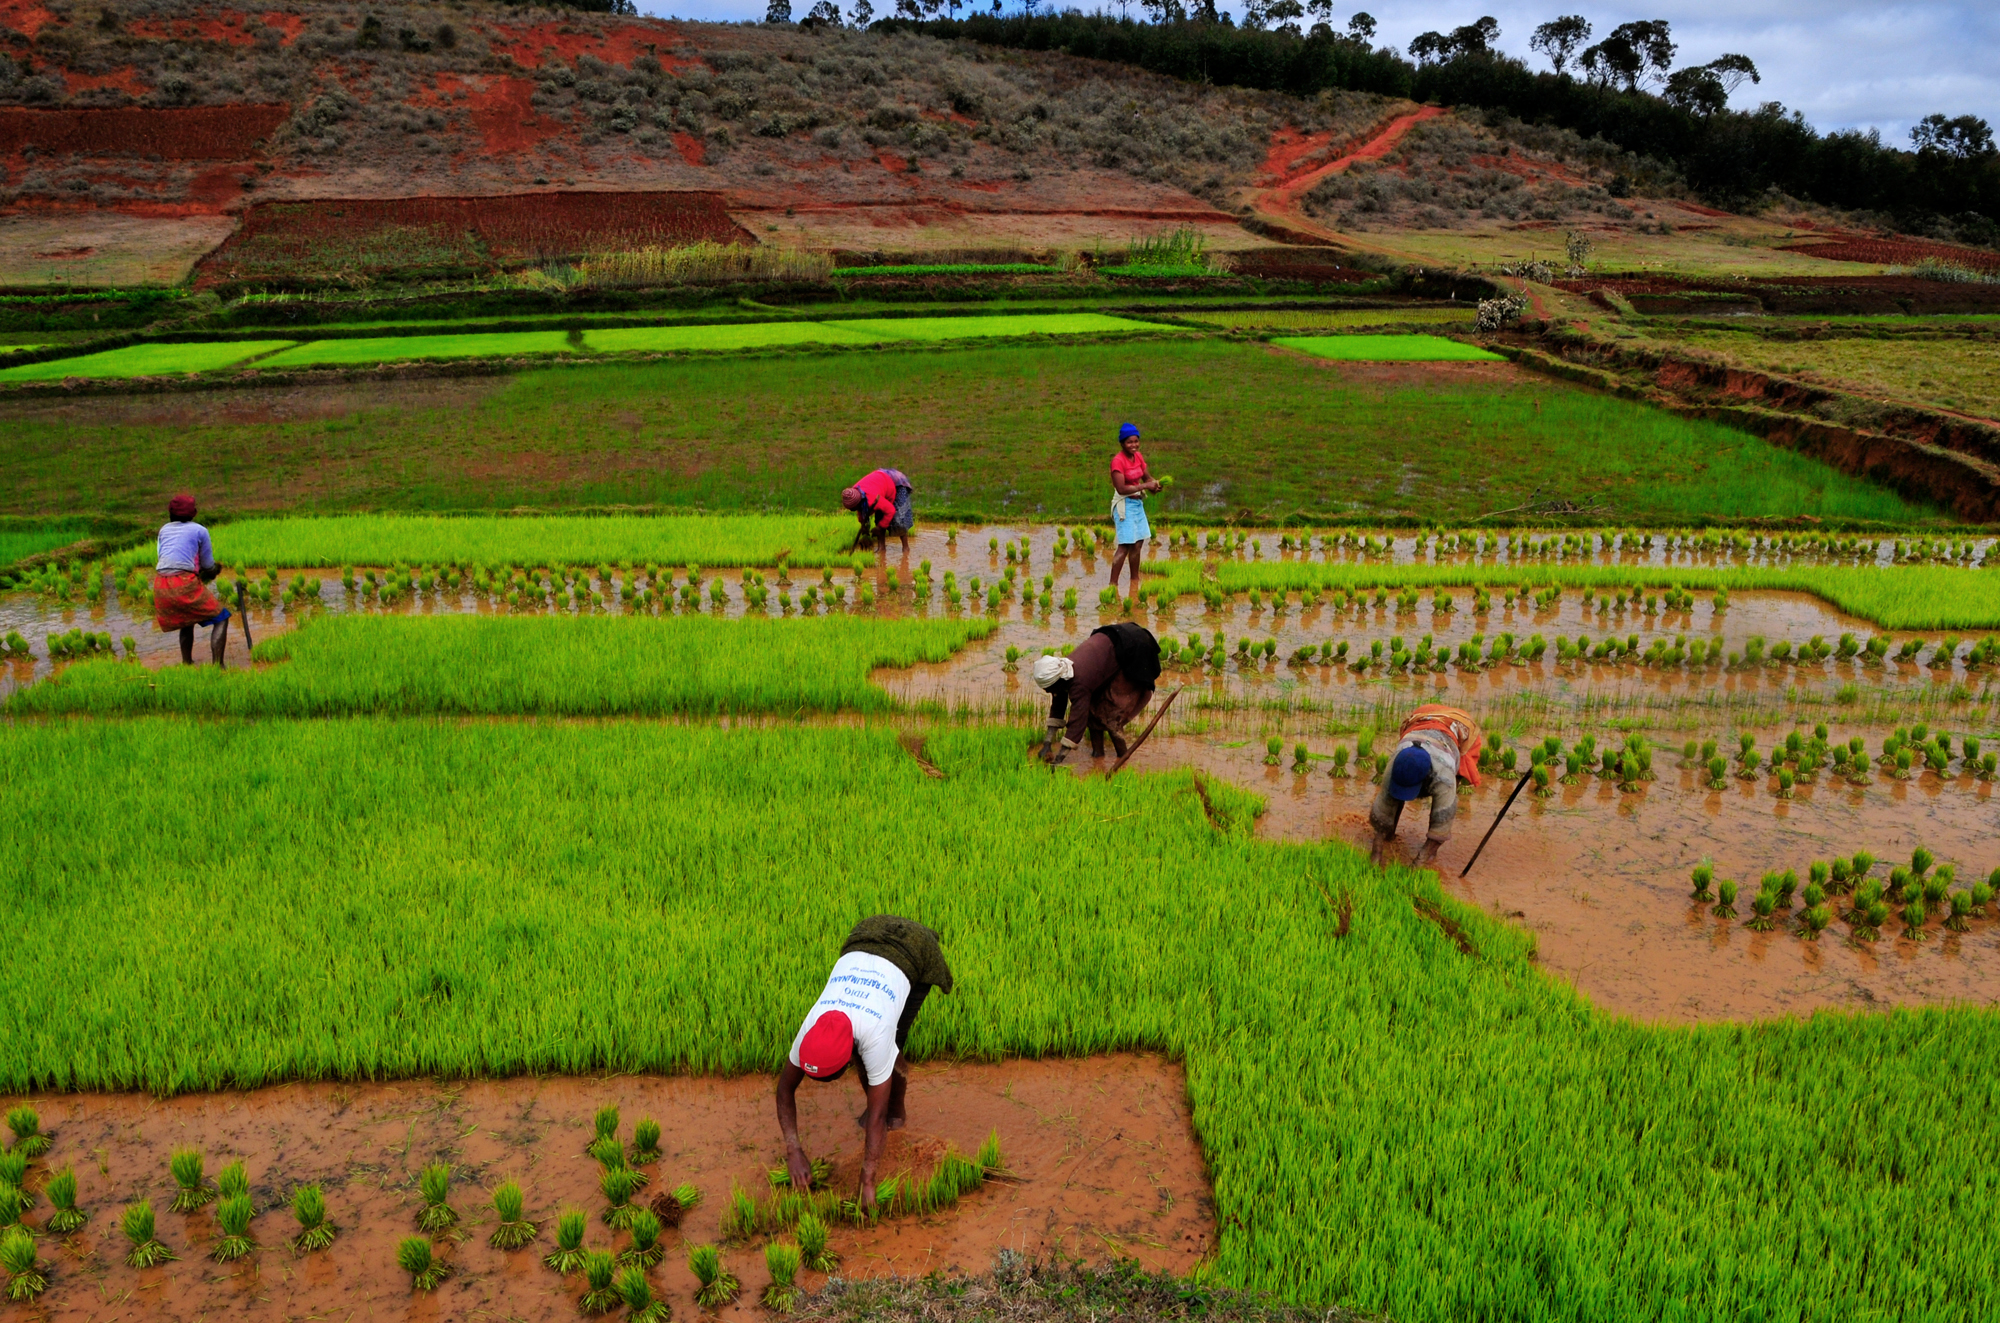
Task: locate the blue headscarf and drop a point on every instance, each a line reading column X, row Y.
column 1126, row 431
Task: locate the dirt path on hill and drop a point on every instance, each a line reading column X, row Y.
column 1283, row 200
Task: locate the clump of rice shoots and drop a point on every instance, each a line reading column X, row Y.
column 1869, row 920
column 1703, row 876
column 819, row 1172
column 14, row 1175
column 670, row 1206
column 186, row 1165
column 64, row 1216
column 1915, row 914
column 1725, row 907
column 1959, row 920
column 637, row 1293
column 25, row 1279
column 232, row 1180
column 514, row 1231
column 608, row 1151
column 426, row 1270
column 1899, row 879
column 137, row 1224
column 813, row 1251
column 645, row 1250
column 618, row 1183
column 10, row 1206
column 605, row 1123
column 717, row 1286
column 1814, row 922
column 233, row 1215
column 782, row 1262
column 29, row 1141
column 437, row 1214
column 1761, row 908
column 309, row 1209
column 1863, row 862
column 598, row 1269
column 1982, row 896
column 741, row 1219
column 568, row 1255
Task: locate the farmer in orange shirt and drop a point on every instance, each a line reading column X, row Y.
column 1438, row 747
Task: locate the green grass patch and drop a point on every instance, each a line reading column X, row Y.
column 950, row 269
column 1389, row 349
column 396, row 348
column 1894, row 597
column 756, row 335
column 147, row 360
column 534, row 540
column 961, row 328
column 1025, row 428
column 18, row 543
column 1304, row 319
column 588, row 666
column 1390, row 1123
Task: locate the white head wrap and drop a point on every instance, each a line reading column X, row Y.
column 1052, row 668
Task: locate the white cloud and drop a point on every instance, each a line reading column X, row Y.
column 1845, row 64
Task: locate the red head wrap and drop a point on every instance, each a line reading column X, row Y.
column 181, row 507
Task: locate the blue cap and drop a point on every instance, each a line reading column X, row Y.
column 1410, row 774
column 1126, row 431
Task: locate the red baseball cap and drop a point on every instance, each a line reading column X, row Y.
column 825, row 1049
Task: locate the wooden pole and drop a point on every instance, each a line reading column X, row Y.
column 1144, row 733
column 1522, row 784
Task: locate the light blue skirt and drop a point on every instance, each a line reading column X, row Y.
column 1132, row 527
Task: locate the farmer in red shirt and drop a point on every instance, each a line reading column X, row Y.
column 1129, row 484
column 881, row 501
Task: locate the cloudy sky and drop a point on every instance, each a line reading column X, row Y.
column 1844, row 63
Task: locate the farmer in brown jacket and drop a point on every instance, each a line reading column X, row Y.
column 1100, row 688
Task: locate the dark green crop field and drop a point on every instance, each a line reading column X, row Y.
column 1007, row 431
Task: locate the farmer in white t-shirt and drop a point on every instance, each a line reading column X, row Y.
column 887, row 967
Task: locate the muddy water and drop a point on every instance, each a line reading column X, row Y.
column 1103, row 1151
column 976, row 678
column 1600, row 878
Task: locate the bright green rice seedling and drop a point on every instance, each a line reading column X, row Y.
column 1273, row 751
column 14, row 1172
column 10, row 1205
column 1982, row 896
column 1761, row 908
column 1960, row 916
column 638, row 1296
column 25, row 1279
column 1915, row 914
column 64, row 1215
column 194, row 1191
column 645, row 1250
column 600, row 1297
column 618, row 1183
column 716, row 1286
column 645, row 1142
column 437, row 1213
column 813, row 1250
column 1814, row 922
column 137, row 1224
column 233, row 1215
column 29, row 1141
column 232, row 1180
column 608, row 1152
column 1725, row 907
column 568, row 1255
column 309, row 1210
column 782, row 1262
column 1704, row 875
column 415, row 1257
column 819, row 1171
column 514, row 1231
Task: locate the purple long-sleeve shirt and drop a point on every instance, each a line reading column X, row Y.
column 184, row 549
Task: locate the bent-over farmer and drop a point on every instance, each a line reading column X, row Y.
column 1100, row 687
column 1438, row 747
column 887, row 966
column 182, row 597
column 881, row 501
column 1129, row 484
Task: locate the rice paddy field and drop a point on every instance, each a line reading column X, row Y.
column 147, row 360
column 577, row 733
column 1001, row 432
column 1959, row 373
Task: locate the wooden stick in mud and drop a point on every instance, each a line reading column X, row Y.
column 243, row 614
column 1519, row 786
column 1144, row 733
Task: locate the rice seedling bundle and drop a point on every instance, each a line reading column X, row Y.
column 137, row 1224
column 645, row 1250
column 25, row 1279
column 782, row 1262
column 64, row 1216
column 414, row 1256
column 716, row 1286
column 233, row 1215
column 194, row 1191
column 812, row 1235
column 568, row 1254
column 618, row 1185
column 512, row 1230
column 26, row 1125
column 435, row 1185
column 309, row 1210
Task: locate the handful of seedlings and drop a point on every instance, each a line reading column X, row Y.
column 437, row 1214
column 137, row 1224
column 25, row 1280
column 637, row 1293
column 717, row 1286
column 813, row 1251
column 194, row 1192
column 233, row 1214
column 618, row 1183
column 670, row 1206
column 14, row 1177
column 29, row 1141
column 514, row 1230
column 64, row 1215
column 568, row 1256
column 309, row 1208
column 601, row 1297
column 645, row 1250
column 782, row 1262
column 425, row 1269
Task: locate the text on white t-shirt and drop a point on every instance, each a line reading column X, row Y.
column 871, row 992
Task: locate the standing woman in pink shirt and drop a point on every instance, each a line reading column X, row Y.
column 1129, row 482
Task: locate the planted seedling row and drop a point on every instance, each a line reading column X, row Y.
column 1846, row 889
